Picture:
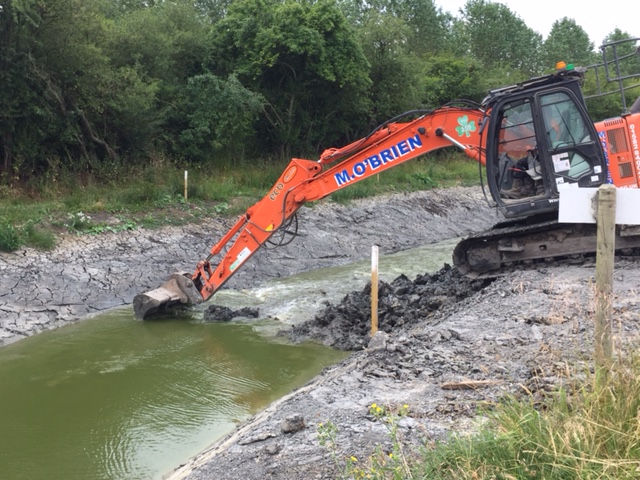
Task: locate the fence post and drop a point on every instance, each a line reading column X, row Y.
column 186, row 189
column 605, row 254
column 374, row 290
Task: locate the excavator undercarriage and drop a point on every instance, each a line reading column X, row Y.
column 512, row 245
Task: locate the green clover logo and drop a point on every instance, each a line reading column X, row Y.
column 465, row 127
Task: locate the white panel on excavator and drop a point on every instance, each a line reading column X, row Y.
column 577, row 205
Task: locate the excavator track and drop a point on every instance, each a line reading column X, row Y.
column 509, row 246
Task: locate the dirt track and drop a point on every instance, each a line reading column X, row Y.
column 517, row 333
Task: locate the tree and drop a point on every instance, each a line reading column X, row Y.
column 218, row 115
column 395, row 73
column 397, row 38
column 427, row 23
column 214, row 10
column 427, row 26
column 499, row 38
column 449, row 78
column 568, row 42
column 85, row 96
column 85, row 82
column 18, row 90
column 605, row 87
column 159, row 49
column 304, row 59
column 626, row 49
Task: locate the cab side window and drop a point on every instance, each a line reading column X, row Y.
column 516, row 138
column 517, row 133
column 564, row 126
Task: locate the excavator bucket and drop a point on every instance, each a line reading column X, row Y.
column 177, row 290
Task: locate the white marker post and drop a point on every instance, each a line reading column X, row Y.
column 374, row 290
column 186, row 183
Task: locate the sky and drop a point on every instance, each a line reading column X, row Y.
column 597, row 19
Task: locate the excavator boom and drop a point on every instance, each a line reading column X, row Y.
column 305, row 181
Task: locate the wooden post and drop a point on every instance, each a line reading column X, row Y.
column 374, row 290
column 605, row 253
column 186, row 174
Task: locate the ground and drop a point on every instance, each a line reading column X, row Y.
column 523, row 335
column 519, row 334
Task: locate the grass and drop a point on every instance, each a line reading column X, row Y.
column 35, row 215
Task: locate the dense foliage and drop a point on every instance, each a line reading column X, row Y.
column 87, row 85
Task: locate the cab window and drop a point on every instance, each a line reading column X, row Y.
column 565, row 132
column 564, row 126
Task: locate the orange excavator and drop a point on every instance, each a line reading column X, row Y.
column 533, row 139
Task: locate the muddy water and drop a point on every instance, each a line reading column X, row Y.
column 115, row 398
column 314, row 288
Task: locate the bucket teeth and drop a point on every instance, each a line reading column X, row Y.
column 177, row 290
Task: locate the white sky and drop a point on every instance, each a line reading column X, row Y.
column 598, row 19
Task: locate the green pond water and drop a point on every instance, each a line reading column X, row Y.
column 112, row 397
column 116, row 398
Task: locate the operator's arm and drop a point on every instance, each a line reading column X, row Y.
column 305, row 181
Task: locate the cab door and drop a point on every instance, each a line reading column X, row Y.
column 570, row 147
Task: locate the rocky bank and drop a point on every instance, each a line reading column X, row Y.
column 524, row 334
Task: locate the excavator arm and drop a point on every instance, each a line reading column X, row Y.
column 305, row 181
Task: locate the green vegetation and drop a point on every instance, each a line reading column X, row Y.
column 585, row 430
column 88, row 86
column 154, row 196
column 588, row 431
column 104, row 103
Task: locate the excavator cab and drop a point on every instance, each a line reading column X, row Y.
column 540, row 140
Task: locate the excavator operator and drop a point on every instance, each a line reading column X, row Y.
column 527, row 181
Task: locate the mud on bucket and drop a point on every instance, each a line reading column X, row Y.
column 177, row 290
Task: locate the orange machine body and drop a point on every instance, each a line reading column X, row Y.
column 306, row 180
column 621, row 143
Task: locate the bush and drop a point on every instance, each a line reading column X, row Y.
column 9, row 239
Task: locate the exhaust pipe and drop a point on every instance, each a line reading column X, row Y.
column 177, row 290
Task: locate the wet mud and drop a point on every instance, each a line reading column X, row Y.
column 401, row 304
column 219, row 313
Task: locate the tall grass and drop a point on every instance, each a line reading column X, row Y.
column 154, row 195
column 589, row 432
